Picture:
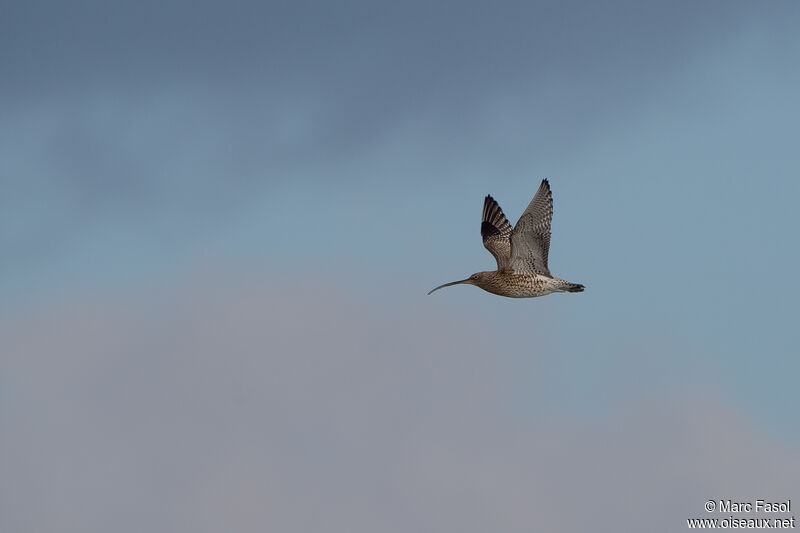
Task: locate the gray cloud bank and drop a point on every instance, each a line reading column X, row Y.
column 359, row 68
column 301, row 408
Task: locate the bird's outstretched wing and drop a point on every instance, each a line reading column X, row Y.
column 496, row 233
column 530, row 240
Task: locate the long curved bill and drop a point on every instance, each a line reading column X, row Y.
column 449, row 284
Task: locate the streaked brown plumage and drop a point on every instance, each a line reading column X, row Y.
column 521, row 253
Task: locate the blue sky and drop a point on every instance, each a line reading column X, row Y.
column 169, row 157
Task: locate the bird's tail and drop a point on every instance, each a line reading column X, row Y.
column 566, row 286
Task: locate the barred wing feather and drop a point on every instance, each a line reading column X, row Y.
column 530, row 239
column 496, row 232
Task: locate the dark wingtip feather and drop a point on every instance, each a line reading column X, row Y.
column 488, row 229
column 493, row 221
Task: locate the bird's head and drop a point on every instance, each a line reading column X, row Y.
column 475, row 279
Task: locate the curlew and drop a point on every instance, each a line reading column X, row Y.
column 521, row 252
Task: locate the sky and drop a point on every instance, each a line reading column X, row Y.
column 219, row 223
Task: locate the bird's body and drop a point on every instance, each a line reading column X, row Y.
column 514, row 285
column 521, row 253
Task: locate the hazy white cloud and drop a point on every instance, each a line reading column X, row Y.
column 298, row 407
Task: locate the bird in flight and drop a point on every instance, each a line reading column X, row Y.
column 521, row 252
